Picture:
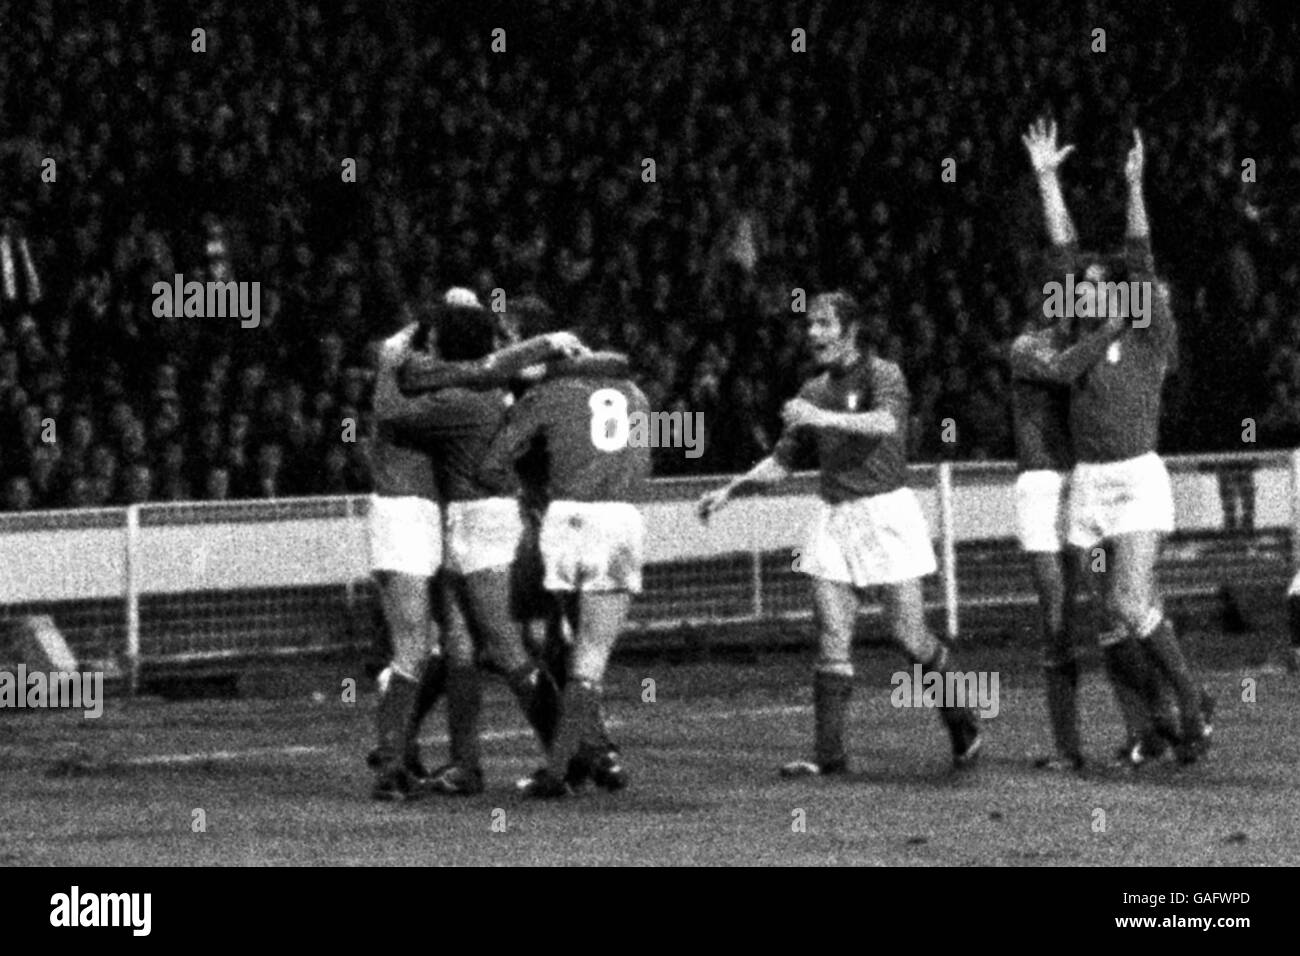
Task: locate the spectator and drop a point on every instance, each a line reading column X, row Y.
column 800, row 179
column 18, row 494
column 216, row 486
column 270, row 462
column 79, row 493
column 137, row 484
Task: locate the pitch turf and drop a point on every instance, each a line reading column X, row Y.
column 280, row 779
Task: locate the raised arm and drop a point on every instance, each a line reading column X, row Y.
column 1138, row 227
column 1137, row 243
column 1046, row 157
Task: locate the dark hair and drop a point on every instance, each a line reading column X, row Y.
column 425, row 317
column 871, row 326
column 465, row 332
column 1117, row 269
column 532, row 313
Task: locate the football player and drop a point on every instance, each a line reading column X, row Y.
column 1120, row 495
column 578, row 420
column 483, row 532
column 406, row 549
column 1044, row 364
column 869, row 530
column 1042, row 367
column 406, row 530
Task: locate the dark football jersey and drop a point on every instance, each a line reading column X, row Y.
column 454, row 421
column 1115, row 407
column 1040, row 412
column 460, row 432
column 574, row 423
column 854, row 466
column 399, row 460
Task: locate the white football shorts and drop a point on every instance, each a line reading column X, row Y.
column 1119, row 497
column 483, row 535
column 405, row 535
column 1041, row 510
column 879, row 539
column 593, row 546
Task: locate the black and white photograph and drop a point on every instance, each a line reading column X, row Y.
column 651, row 433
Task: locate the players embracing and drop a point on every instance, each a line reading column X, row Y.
column 869, row 529
column 444, row 541
column 1120, row 498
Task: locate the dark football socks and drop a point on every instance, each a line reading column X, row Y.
column 579, row 724
column 433, row 683
column 464, row 701
column 1161, row 644
column 831, row 693
column 960, row 721
column 539, row 699
column 1062, row 689
column 1136, row 685
column 393, row 718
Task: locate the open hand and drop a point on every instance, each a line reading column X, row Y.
column 712, row 501
column 1040, row 141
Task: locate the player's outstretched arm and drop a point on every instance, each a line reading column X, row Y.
column 1046, row 157
column 1034, row 359
column 767, row 472
column 603, row 364
column 422, row 372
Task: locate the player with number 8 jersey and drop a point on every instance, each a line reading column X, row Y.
column 592, row 539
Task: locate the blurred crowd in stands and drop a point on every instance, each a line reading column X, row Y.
column 523, row 170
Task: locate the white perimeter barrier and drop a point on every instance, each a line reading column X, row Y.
column 130, row 555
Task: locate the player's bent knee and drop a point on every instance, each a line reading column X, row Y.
column 589, row 663
column 408, row 659
column 1136, row 616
